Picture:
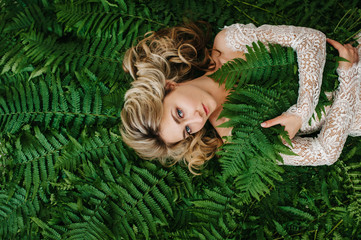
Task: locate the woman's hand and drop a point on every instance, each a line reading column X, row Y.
column 345, row 51
column 291, row 122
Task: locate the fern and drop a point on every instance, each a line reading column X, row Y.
column 30, row 18
column 352, row 179
column 126, row 20
column 47, row 230
column 101, row 144
column 46, row 54
column 15, row 213
column 65, row 173
column 127, row 202
column 297, row 212
column 114, row 199
column 142, row 202
column 281, row 230
column 211, row 210
column 34, row 158
column 22, row 103
column 262, row 67
column 252, row 152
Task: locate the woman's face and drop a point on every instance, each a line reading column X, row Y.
column 185, row 111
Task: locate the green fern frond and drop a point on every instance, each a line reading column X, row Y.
column 181, row 181
column 253, row 182
column 144, row 191
column 14, row 58
column 71, row 177
column 157, row 193
column 90, row 213
column 142, row 199
column 15, row 213
column 23, row 103
column 47, row 230
column 297, row 212
column 107, row 20
column 89, row 17
column 262, row 67
column 34, row 159
column 46, row 53
column 214, row 212
column 280, row 229
column 349, row 175
column 98, row 146
column 247, row 107
column 92, row 229
column 33, row 15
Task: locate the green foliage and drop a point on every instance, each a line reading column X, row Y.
column 262, row 67
column 65, row 173
column 263, row 86
column 16, row 211
column 46, row 102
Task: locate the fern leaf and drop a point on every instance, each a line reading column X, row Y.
column 46, row 108
column 260, row 66
column 280, row 229
column 48, row 231
column 297, row 212
column 15, row 213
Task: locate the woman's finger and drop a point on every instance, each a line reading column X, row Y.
column 335, row 44
column 272, row 122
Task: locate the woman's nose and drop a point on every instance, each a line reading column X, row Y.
column 197, row 117
column 196, row 122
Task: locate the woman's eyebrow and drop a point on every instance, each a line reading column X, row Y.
column 178, row 122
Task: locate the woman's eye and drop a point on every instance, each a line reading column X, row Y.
column 188, row 130
column 180, row 113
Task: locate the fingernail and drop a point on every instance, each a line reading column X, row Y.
column 263, row 124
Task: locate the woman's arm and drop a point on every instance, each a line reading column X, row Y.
column 316, row 122
column 327, row 147
column 310, row 46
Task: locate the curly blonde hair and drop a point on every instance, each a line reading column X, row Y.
column 175, row 54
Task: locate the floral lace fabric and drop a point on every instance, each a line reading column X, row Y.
column 310, row 46
column 343, row 118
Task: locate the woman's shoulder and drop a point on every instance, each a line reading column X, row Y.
column 220, row 39
column 235, row 37
column 223, row 48
column 228, row 30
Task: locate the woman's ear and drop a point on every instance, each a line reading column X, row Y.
column 170, row 85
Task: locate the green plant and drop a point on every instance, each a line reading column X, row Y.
column 65, row 173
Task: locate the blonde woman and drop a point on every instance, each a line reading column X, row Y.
column 165, row 113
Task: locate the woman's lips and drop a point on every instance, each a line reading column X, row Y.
column 205, row 109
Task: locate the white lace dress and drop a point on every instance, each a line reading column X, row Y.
column 343, row 118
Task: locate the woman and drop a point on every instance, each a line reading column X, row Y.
column 164, row 119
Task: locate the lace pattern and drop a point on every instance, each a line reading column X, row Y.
column 342, row 119
column 310, row 46
column 316, row 122
column 355, row 129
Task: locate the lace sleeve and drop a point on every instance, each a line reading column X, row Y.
column 310, row 46
column 327, row 147
column 316, row 122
